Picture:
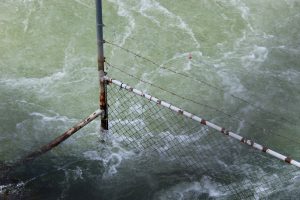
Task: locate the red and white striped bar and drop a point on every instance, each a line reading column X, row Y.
column 207, row 123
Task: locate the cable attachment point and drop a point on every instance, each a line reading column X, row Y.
column 121, row 86
column 103, row 25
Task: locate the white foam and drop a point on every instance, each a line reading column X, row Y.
column 38, row 121
column 232, row 81
column 136, row 122
column 92, row 155
column 46, row 118
column 169, row 137
column 2, row 188
column 137, row 108
column 39, row 85
column 84, row 4
column 241, row 126
column 144, row 6
column 258, row 54
column 124, row 11
column 13, row 188
column 290, row 75
column 184, row 190
column 245, row 11
column 148, row 5
column 77, row 173
column 111, row 155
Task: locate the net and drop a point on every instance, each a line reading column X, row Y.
column 222, row 167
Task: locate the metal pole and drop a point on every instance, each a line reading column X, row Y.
column 101, row 60
column 42, row 150
column 4, row 170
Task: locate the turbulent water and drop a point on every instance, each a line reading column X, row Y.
column 248, row 49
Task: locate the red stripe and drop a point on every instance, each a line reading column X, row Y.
column 265, row 149
column 288, row 160
column 223, row 130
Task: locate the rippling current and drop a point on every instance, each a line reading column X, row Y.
column 248, row 49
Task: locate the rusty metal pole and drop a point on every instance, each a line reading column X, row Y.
column 42, row 150
column 4, row 169
column 101, row 60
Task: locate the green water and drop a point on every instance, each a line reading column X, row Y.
column 48, row 79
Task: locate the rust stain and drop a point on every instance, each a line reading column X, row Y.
column 203, row 121
column 288, row 160
column 265, row 149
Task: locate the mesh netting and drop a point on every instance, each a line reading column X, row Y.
column 224, row 168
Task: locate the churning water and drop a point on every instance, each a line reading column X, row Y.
column 48, row 81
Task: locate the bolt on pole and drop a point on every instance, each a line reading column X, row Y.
column 101, row 60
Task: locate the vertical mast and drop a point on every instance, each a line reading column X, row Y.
column 101, row 60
